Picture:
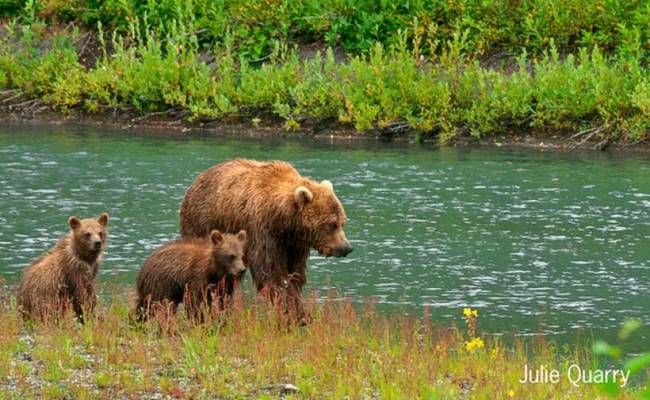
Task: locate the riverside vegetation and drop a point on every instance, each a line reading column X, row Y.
column 346, row 352
column 574, row 69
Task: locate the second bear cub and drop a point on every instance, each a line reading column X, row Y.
column 187, row 271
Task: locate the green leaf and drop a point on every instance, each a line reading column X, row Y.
column 645, row 395
column 637, row 363
column 629, row 327
column 602, row 348
column 609, row 388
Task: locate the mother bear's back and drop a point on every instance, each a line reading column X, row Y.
column 235, row 189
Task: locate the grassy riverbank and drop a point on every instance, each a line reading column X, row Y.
column 347, row 352
column 587, row 83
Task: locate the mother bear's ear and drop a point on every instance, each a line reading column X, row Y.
column 328, row 185
column 303, row 196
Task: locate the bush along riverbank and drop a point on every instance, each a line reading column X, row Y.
column 492, row 27
column 418, row 85
column 346, row 352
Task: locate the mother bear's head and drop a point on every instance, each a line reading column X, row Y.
column 321, row 218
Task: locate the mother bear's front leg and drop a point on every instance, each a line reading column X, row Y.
column 281, row 279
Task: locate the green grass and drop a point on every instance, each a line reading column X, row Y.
column 603, row 97
column 348, row 351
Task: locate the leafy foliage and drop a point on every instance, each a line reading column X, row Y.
column 490, row 25
column 391, row 88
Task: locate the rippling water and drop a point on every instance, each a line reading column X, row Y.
column 538, row 242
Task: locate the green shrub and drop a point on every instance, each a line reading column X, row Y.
column 318, row 92
column 391, row 88
column 50, row 73
column 492, row 25
column 384, row 88
column 270, row 84
column 589, row 87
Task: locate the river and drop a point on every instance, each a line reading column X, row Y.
column 538, row 242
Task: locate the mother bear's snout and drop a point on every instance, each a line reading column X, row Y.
column 343, row 251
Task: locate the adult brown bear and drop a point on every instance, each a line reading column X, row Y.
column 284, row 214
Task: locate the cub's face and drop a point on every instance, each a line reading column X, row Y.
column 89, row 234
column 228, row 251
column 322, row 218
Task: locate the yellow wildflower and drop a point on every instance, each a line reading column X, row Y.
column 468, row 312
column 474, row 344
column 511, row 393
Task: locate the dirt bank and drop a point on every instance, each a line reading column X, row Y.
column 267, row 126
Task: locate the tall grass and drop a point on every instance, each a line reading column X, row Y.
column 346, row 352
column 391, row 89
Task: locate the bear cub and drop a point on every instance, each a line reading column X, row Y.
column 64, row 276
column 191, row 271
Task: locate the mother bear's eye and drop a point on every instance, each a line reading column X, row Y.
column 232, row 257
column 334, row 226
column 87, row 235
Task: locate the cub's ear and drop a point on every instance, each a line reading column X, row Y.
column 242, row 235
column 216, row 237
column 303, row 196
column 328, row 185
column 74, row 222
column 103, row 219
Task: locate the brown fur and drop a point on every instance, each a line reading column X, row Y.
column 284, row 214
column 64, row 276
column 185, row 270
